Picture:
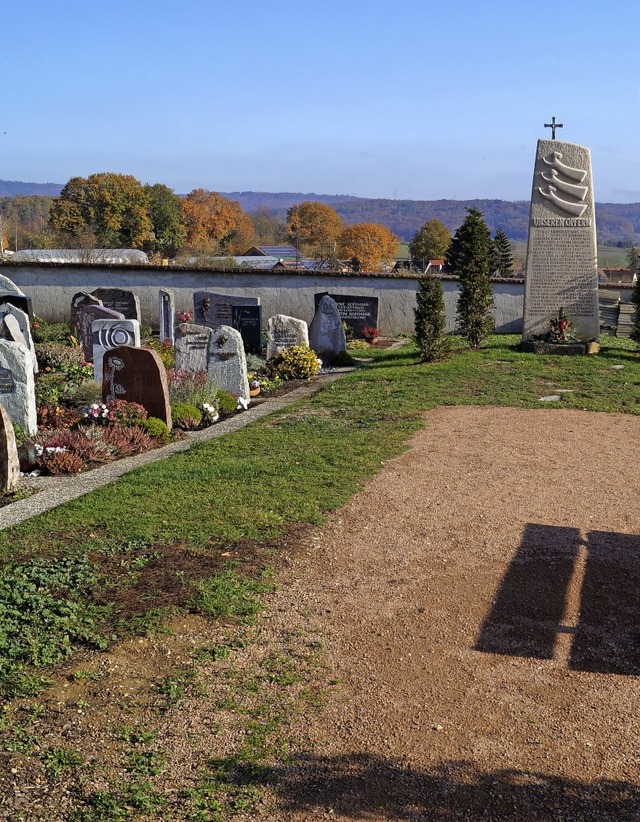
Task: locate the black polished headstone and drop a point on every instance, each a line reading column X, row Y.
column 122, row 300
column 247, row 319
column 357, row 312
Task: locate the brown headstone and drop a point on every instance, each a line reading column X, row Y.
column 137, row 375
column 9, row 463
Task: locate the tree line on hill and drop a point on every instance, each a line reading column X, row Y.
column 24, row 209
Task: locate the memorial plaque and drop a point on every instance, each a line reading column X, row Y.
column 357, row 312
column 7, row 383
column 247, row 319
column 213, row 310
column 192, row 342
column 122, row 300
column 561, row 269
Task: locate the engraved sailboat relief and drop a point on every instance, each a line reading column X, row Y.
column 553, row 177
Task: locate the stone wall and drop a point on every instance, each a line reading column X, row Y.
column 51, row 288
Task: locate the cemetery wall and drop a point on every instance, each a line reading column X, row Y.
column 51, row 288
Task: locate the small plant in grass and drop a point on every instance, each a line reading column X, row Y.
column 58, row 760
column 371, row 334
column 430, row 320
column 229, row 595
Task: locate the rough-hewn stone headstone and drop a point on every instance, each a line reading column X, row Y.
column 108, row 334
column 22, row 320
column 137, row 375
column 121, row 300
column 17, row 390
column 356, row 311
column 213, row 310
column 561, row 269
column 192, row 344
column 9, row 462
column 283, row 332
column 326, row 334
column 166, row 315
column 86, row 317
column 226, row 361
column 80, row 300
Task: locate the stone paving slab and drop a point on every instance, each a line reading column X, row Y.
column 57, row 490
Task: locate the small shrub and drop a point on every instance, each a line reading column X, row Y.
column 430, row 321
column 126, row 413
column 227, row 403
column 48, row 388
column 56, row 357
column 165, row 351
column 157, row 429
column 86, row 394
column 19, row 433
column 342, row 360
column 187, row 416
column 44, row 332
column 60, row 462
column 298, row 362
column 371, row 334
column 128, row 439
column 191, row 387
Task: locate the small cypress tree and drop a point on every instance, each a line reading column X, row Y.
column 503, row 254
column 635, row 299
column 430, row 319
column 469, row 257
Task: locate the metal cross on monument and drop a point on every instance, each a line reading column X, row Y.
column 553, row 126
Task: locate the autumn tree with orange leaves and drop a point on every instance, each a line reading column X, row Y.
column 214, row 224
column 368, row 245
column 314, row 229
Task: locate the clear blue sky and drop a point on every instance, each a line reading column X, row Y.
column 409, row 99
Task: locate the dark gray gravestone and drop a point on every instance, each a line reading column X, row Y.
column 213, row 310
column 137, row 375
column 86, row 317
column 247, row 319
column 9, row 462
column 192, row 343
column 121, row 300
column 166, row 315
column 17, row 390
column 357, row 312
column 80, row 300
column 22, row 302
column 326, row 333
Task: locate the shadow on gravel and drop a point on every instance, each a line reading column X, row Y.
column 528, row 610
column 360, row 786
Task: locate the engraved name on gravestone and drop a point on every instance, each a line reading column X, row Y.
column 166, row 315
column 137, row 375
column 17, row 388
column 213, row 310
column 356, row 311
column 108, row 334
column 247, row 319
column 561, row 269
column 121, row 300
column 192, row 342
column 86, row 317
column 283, row 332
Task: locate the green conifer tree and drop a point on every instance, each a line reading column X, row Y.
column 469, row 257
column 430, row 319
column 503, row 254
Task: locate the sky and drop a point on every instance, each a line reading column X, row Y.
column 410, row 99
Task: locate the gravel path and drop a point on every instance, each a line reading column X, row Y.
column 480, row 608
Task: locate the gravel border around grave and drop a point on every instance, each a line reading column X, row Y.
column 61, row 489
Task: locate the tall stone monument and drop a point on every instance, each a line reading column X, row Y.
column 561, row 269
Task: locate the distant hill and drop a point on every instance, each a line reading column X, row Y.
column 616, row 222
column 15, row 188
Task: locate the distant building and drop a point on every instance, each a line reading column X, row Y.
column 89, row 256
column 617, row 276
column 281, row 252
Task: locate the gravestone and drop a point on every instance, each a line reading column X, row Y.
column 22, row 302
column 108, row 334
column 326, row 334
column 122, row 300
column 561, row 269
column 192, row 344
column 22, row 320
column 17, row 390
column 226, row 361
column 80, row 300
column 166, row 315
column 137, row 375
column 86, row 317
column 9, row 462
column 213, row 310
column 357, row 312
column 247, row 319
column 283, row 332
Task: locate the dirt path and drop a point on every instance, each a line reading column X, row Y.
column 480, row 603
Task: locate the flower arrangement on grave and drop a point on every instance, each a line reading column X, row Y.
column 371, row 334
column 561, row 329
column 184, row 316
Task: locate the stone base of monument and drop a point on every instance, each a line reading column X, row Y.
column 570, row 349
